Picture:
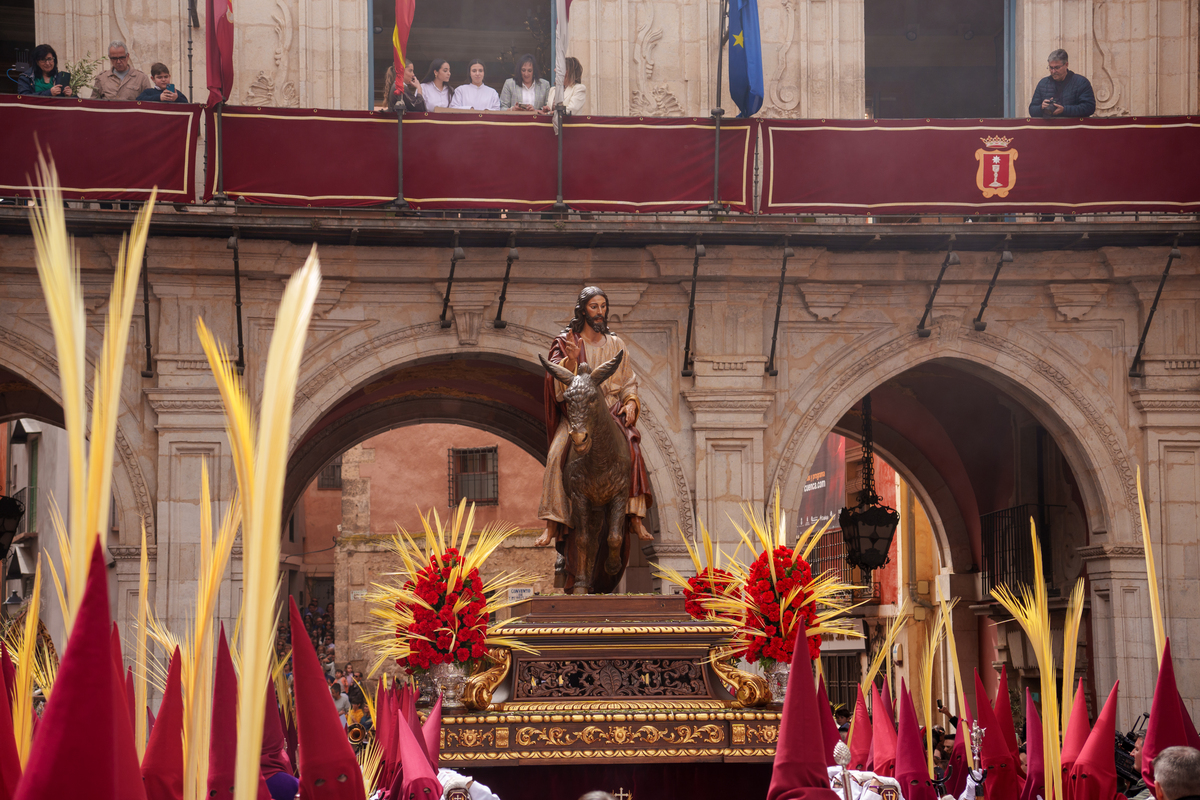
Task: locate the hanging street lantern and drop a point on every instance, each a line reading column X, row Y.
column 11, row 512
column 870, row 526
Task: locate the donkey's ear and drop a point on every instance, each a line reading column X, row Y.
column 603, row 372
column 560, row 373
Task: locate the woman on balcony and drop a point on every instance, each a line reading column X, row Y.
column 44, row 78
column 574, row 93
column 522, row 91
column 476, row 95
column 436, row 87
column 413, row 99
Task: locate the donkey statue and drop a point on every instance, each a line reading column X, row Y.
column 595, row 477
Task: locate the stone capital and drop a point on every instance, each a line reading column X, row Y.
column 191, row 408
column 728, row 410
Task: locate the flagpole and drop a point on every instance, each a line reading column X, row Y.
column 715, row 206
column 220, row 197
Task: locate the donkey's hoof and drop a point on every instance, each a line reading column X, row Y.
column 613, row 564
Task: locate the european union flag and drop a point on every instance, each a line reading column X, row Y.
column 745, row 57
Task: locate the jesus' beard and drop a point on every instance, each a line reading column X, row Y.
column 599, row 322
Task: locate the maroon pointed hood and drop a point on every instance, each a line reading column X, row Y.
column 883, row 736
column 1094, row 774
column 912, row 771
column 328, row 768
column 1035, row 780
column 385, row 721
column 956, row 784
column 76, row 752
column 431, row 732
column 222, row 750
column 799, row 771
column 1004, row 718
column 129, row 773
column 829, row 728
column 162, row 766
column 1002, row 780
column 416, row 779
column 274, row 744
column 1076, row 735
column 860, row 741
column 10, row 760
column 889, row 706
column 1166, row 727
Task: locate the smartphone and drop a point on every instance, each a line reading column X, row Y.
column 170, row 87
column 939, row 702
column 62, row 79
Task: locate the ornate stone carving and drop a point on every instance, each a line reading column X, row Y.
column 129, row 553
column 649, row 423
column 648, row 98
column 1108, row 88
column 1074, row 300
column 826, row 300
column 1097, row 552
column 263, row 89
column 785, row 95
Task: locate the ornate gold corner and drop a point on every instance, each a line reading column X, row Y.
column 750, row 691
column 477, row 694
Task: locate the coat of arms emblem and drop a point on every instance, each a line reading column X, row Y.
column 997, row 173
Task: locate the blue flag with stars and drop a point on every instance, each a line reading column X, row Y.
column 745, row 57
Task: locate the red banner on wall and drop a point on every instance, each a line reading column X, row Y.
column 102, row 150
column 981, row 166
column 656, row 164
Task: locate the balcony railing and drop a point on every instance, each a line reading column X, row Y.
column 519, row 162
column 1008, row 549
column 29, row 497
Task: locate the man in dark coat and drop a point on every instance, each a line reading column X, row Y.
column 1062, row 93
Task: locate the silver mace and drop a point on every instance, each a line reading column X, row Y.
column 841, row 755
column 977, row 748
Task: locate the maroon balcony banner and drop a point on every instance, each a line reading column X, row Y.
column 646, row 164
column 974, row 167
column 479, row 160
column 102, row 150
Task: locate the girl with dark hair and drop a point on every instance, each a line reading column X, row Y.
column 436, row 87
column 413, row 99
column 523, row 90
column 44, row 78
column 476, row 94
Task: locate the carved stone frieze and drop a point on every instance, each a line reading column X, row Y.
column 276, row 89
column 826, row 300
column 1074, row 300
column 647, row 97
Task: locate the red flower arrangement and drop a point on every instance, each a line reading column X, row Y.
column 450, row 625
column 711, row 582
column 776, row 603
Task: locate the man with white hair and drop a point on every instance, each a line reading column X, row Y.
column 1177, row 774
column 121, row 81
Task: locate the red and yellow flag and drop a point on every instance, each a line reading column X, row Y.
column 405, row 9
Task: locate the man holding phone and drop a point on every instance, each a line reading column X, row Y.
column 163, row 90
column 1062, row 93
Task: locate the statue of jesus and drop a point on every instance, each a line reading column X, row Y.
column 588, row 339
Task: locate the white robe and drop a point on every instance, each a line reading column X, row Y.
column 433, row 97
column 480, row 98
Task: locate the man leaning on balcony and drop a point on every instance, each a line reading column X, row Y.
column 1062, row 93
column 122, row 81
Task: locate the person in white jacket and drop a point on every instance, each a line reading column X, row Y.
column 574, row 93
column 476, row 94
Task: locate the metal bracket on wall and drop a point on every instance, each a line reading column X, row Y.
column 950, row 259
column 1006, row 257
column 687, row 346
column 148, row 372
column 513, row 255
column 1135, row 367
column 233, row 245
column 456, row 255
column 787, row 253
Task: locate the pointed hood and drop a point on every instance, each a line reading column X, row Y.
column 956, row 784
column 1002, row 780
column 162, row 766
column 1076, row 735
column 385, row 720
column 883, row 736
column 328, row 768
column 860, row 741
column 889, row 706
column 912, row 772
column 130, row 698
column 416, row 778
column 1035, row 780
column 274, row 744
column 829, row 728
column 1004, row 718
column 76, row 752
column 10, row 760
column 431, row 732
column 799, row 771
column 1094, row 773
column 222, row 749
column 1166, row 727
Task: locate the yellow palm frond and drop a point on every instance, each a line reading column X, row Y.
column 1071, row 625
column 139, row 653
column 929, row 652
column 960, row 696
column 22, row 703
column 1160, row 633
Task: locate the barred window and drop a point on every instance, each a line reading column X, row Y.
column 843, row 671
column 331, row 475
column 474, row 475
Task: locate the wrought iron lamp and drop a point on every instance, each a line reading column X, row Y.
column 12, row 511
column 870, row 526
